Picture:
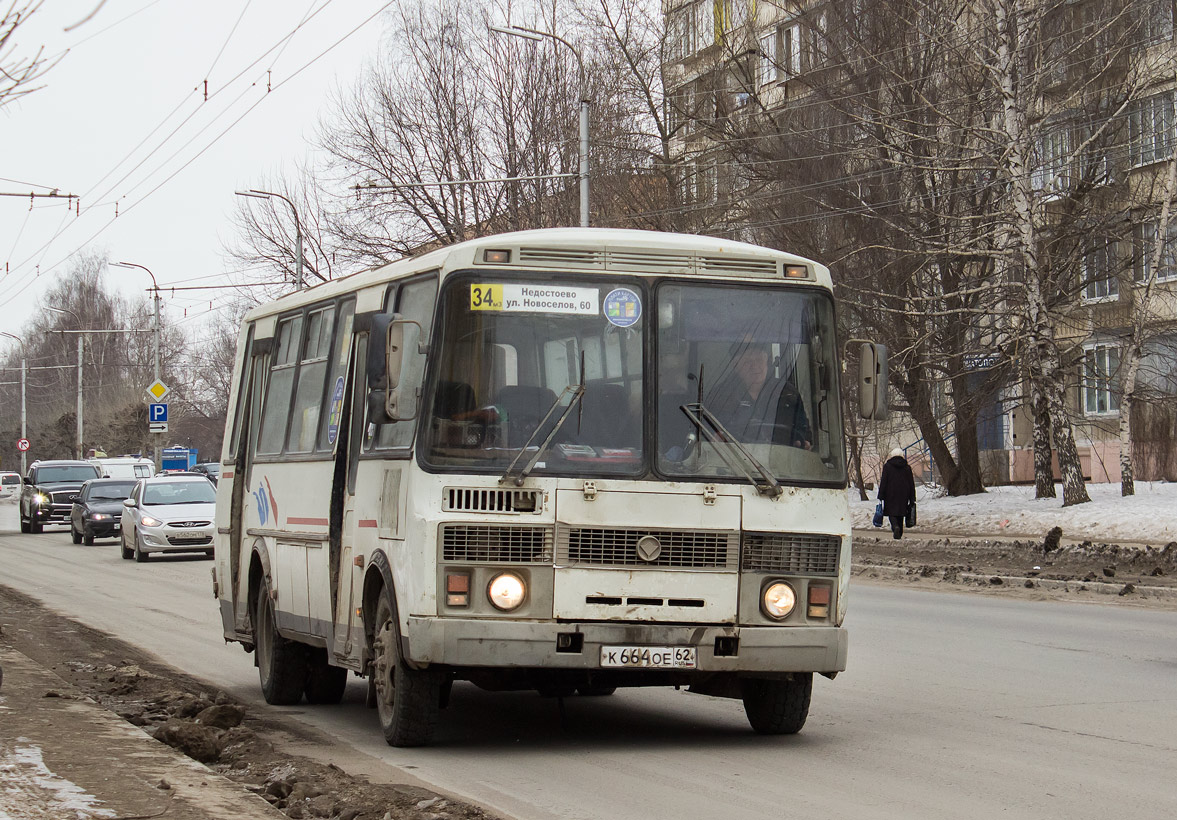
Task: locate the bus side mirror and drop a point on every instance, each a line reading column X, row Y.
column 872, row 381
column 386, row 362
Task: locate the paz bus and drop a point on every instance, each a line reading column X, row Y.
column 567, row 460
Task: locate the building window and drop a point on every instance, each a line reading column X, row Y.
column 1052, row 171
column 789, row 49
column 767, row 67
column 704, row 24
column 1144, row 241
column 1155, row 22
column 817, row 46
column 1150, row 129
column 1099, row 275
column 1101, row 379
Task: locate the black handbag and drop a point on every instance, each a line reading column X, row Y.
column 878, row 518
column 909, row 519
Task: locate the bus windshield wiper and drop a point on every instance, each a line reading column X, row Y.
column 726, row 445
column 577, row 391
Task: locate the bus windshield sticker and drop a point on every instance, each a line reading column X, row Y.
column 534, row 299
column 336, row 411
column 623, row 307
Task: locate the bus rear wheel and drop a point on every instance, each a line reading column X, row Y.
column 281, row 663
column 778, row 707
column 407, row 700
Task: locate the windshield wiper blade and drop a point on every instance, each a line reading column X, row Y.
column 714, row 431
column 577, row 392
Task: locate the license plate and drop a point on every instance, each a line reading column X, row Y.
column 648, row 657
column 188, row 534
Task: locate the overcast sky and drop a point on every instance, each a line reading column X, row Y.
column 102, row 128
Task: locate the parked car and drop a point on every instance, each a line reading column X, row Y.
column 98, row 509
column 47, row 494
column 209, row 469
column 9, row 485
column 169, row 513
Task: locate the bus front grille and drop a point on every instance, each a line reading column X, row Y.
column 491, row 500
column 610, row 547
column 494, row 544
column 790, row 553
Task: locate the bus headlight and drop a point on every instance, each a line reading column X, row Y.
column 506, row 591
column 778, row 600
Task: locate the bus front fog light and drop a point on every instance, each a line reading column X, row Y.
column 778, row 600
column 506, row 591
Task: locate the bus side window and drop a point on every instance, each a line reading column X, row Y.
column 246, row 365
column 280, row 385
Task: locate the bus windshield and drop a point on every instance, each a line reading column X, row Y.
column 509, row 348
column 747, row 371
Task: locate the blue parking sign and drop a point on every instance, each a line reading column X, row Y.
column 157, row 412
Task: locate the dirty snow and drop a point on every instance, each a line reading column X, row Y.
column 1148, row 517
column 32, row 792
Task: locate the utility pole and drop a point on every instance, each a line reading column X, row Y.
column 80, row 453
column 156, row 331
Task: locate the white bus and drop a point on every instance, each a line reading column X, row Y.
column 567, row 460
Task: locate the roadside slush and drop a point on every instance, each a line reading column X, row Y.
column 63, row 755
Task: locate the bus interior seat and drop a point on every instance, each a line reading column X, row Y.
column 525, row 406
column 453, row 399
column 607, row 420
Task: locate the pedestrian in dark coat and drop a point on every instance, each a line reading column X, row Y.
column 896, row 490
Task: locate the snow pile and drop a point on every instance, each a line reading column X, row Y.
column 1149, row 517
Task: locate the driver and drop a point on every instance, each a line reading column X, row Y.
column 755, row 408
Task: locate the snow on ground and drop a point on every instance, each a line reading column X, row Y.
column 1150, row 516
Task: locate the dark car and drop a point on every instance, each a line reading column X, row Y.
column 209, row 469
column 98, row 509
column 46, row 497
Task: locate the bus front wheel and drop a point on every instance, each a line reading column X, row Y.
column 281, row 663
column 778, row 707
column 407, row 700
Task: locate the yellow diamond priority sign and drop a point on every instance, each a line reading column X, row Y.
column 157, row 390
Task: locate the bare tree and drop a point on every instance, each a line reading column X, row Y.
column 19, row 73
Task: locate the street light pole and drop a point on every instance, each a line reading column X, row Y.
column 155, row 293
column 24, row 369
column 533, row 34
column 256, row 194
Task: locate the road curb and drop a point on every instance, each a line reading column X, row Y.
column 64, row 752
column 981, row 579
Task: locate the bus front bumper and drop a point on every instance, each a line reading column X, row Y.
column 501, row 644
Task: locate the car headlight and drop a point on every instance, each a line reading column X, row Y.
column 99, row 516
column 148, row 521
column 506, row 591
column 41, row 498
column 778, row 600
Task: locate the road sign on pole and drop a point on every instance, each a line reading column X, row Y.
column 157, row 413
column 22, row 444
column 157, row 426
column 157, row 390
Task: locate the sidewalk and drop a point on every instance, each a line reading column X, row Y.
column 62, row 755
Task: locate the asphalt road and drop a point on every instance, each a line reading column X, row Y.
column 953, row 706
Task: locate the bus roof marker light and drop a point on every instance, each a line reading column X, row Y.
column 796, row 272
column 496, row 257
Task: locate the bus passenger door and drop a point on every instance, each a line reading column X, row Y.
column 345, row 576
column 251, row 387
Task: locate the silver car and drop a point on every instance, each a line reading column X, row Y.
column 169, row 514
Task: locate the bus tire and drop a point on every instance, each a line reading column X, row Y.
column 281, row 663
column 407, row 700
column 325, row 683
column 778, row 707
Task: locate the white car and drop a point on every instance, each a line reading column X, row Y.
column 169, row 514
column 9, row 485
